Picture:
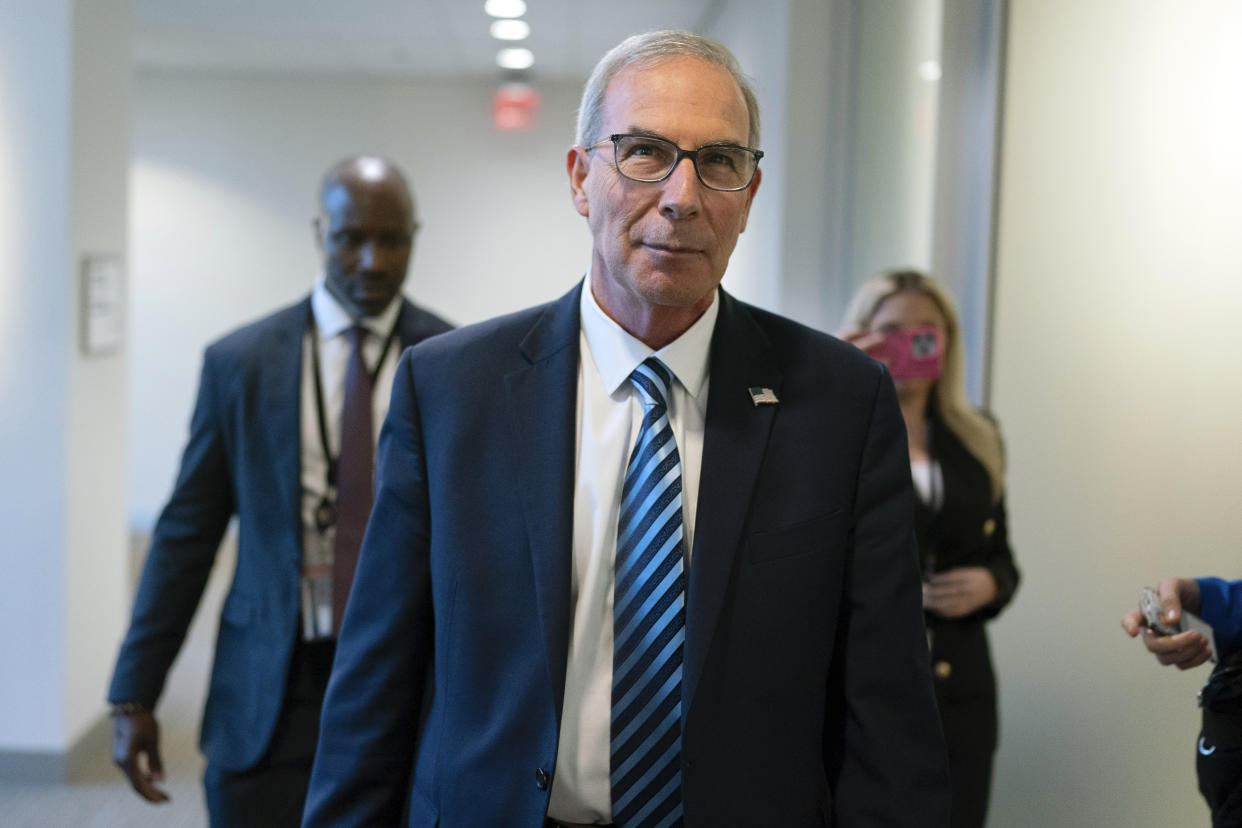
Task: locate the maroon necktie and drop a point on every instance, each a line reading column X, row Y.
column 355, row 473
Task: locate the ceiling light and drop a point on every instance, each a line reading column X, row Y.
column 930, row 70
column 510, row 29
column 505, row 8
column 515, row 58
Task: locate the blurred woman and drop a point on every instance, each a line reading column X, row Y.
column 909, row 322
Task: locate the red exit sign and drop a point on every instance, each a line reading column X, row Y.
column 514, row 107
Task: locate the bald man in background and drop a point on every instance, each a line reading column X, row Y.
column 283, row 438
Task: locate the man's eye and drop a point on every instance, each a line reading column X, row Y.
column 718, row 158
column 394, row 240
column 346, row 238
column 640, row 151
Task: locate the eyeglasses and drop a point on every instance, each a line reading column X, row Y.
column 724, row 167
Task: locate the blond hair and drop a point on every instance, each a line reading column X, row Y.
column 976, row 431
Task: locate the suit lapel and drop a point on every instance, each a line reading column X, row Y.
column 735, row 434
column 409, row 332
column 279, row 397
column 405, row 327
column 543, row 400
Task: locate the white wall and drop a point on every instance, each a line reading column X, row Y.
column 1116, row 379
column 810, row 222
column 758, row 39
column 966, row 170
column 97, row 589
column 63, row 152
column 224, row 181
column 849, row 128
column 34, row 364
column 894, row 126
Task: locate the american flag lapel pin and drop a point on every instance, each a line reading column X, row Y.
column 762, row 396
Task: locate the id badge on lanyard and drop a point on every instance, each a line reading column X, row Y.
column 318, row 546
column 317, row 573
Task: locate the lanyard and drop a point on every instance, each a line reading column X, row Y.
column 325, row 512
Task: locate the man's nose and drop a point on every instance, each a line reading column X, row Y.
column 681, row 193
column 369, row 255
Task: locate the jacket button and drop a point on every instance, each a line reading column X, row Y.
column 942, row 669
column 542, row 779
column 989, row 526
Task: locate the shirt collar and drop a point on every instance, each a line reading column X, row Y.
column 332, row 319
column 617, row 353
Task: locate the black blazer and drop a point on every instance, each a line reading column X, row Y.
column 970, row 529
column 806, row 696
column 243, row 459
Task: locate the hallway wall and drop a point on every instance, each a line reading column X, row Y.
column 64, row 155
column 1119, row 287
column 35, row 294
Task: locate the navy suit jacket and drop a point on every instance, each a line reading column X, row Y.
column 806, row 685
column 243, row 458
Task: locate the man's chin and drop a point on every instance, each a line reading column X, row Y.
column 372, row 305
column 678, row 290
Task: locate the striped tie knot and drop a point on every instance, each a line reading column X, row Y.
column 653, row 380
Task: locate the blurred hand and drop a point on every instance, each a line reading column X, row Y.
column 1184, row 650
column 958, row 592
column 864, row 339
column 136, row 751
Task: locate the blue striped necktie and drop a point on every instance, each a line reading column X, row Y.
column 649, row 620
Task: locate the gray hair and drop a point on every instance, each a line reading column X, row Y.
column 649, row 48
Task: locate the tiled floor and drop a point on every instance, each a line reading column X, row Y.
column 103, row 798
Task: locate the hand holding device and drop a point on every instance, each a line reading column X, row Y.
column 1149, row 606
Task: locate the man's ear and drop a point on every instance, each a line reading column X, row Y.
column 320, row 242
column 750, row 197
column 578, row 164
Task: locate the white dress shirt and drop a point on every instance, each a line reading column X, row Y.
column 610, row 413
column 928, row 480
column 332, row 322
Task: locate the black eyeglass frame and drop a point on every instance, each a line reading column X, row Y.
column 693, row 155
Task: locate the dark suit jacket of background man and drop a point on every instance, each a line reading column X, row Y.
column 243, row 457
column 806, row 691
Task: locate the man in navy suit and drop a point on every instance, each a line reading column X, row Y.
column 269, row 442
column 724, row 629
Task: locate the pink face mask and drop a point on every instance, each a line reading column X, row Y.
column 912, row 353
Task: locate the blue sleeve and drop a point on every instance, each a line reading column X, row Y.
column 183, row 549
column 1220, row 605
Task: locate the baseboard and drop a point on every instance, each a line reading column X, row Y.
column 55, row 767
